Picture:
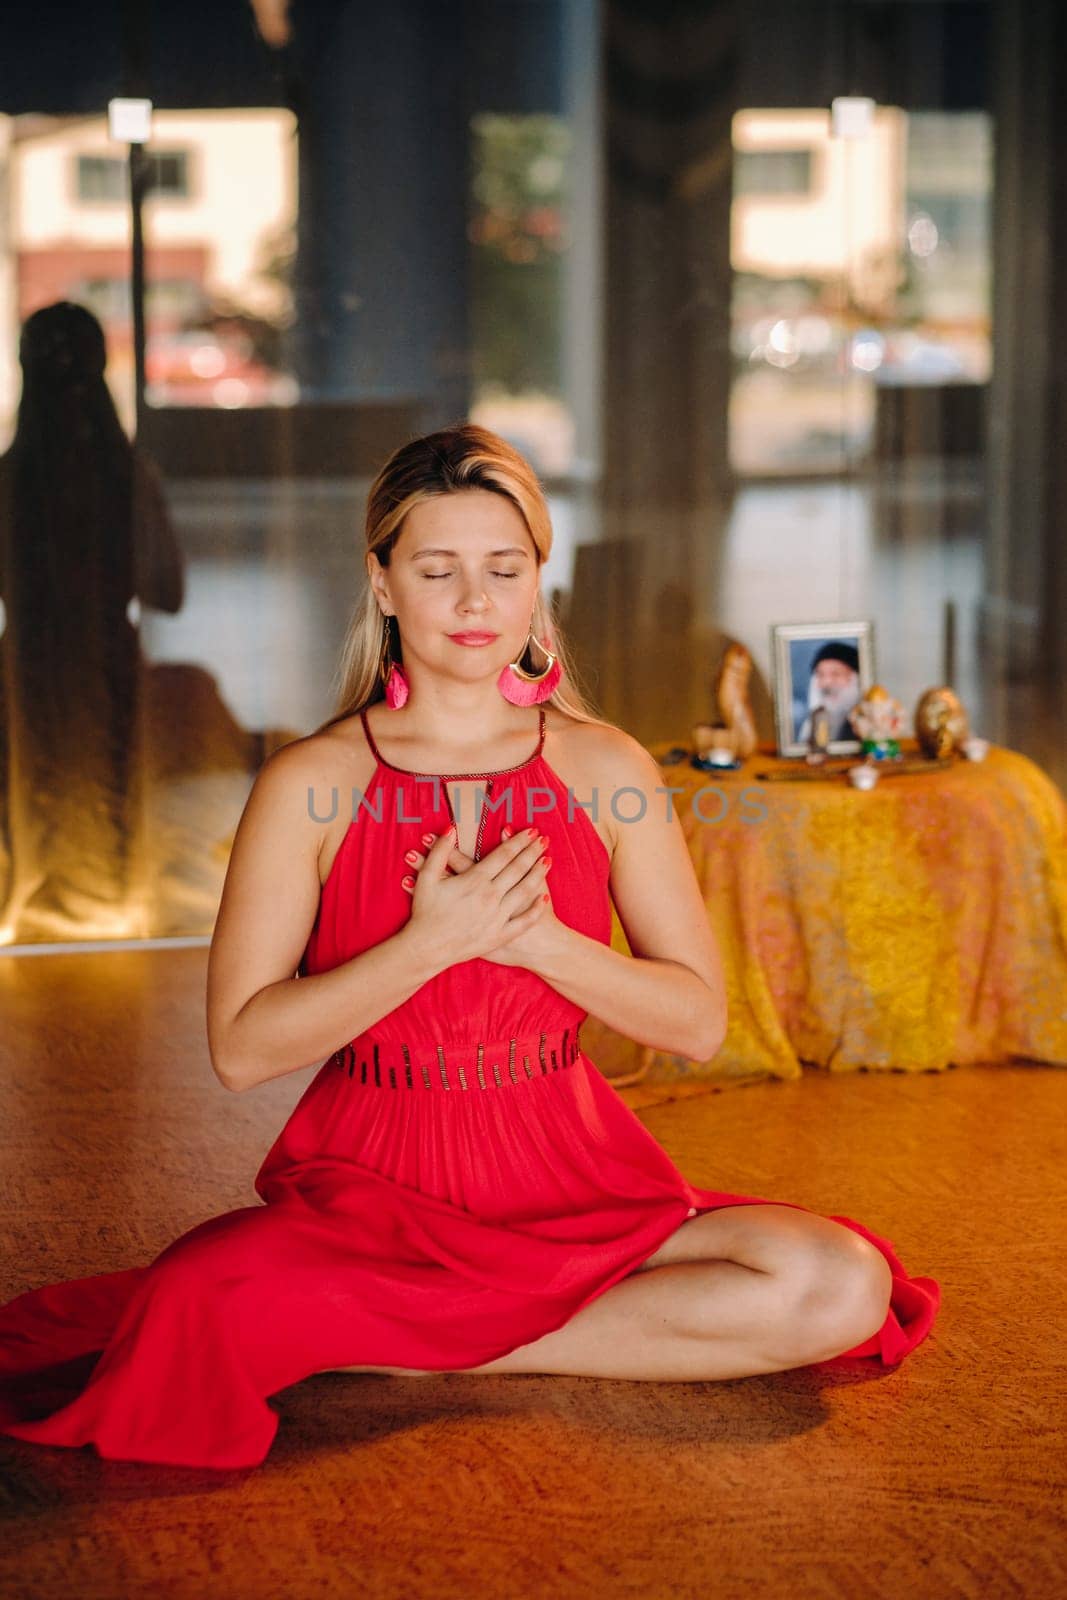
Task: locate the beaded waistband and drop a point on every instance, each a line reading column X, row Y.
column 484, row 1064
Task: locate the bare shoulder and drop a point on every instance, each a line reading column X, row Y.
column 276, row 804
column 596, row 760
column 602, row 753
column 314, row 777
column 338, row 754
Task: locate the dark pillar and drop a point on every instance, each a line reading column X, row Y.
column 1025, row 601
column 646, row 624
column 381, row 274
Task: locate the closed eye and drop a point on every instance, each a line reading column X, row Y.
column 433, row 575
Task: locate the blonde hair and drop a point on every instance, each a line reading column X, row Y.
column 452, row 459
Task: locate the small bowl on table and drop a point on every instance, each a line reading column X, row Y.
column 863, row 776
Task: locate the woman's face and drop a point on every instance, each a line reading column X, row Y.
column 464, row 563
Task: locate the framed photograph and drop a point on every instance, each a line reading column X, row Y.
column 829, row 664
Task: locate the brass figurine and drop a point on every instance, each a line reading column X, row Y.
column 941, row 723
column 819, row 743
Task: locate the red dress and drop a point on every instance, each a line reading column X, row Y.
column 454, row 1183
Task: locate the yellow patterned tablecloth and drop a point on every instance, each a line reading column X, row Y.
column 915, row 926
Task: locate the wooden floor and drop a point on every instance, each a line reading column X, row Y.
column 941, row 1478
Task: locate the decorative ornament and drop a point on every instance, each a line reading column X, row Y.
column 524, row 688
column 941, row 723
column 819, row 742
column 732, row 700
column 878, row 719
column 392, row 675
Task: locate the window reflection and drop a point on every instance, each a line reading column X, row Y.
column 219, row 217
column 518, row 240
column 860, row 265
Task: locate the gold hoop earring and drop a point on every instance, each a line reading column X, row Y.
column 524, row 688
column 533, row 677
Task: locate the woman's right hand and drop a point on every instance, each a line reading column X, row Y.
column 482, row 905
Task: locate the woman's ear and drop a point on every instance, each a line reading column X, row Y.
column 376, row 576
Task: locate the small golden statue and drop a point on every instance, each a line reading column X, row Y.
column 819, row 743
column 731, row 698
column 941, row 723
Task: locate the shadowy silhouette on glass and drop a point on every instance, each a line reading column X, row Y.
column 84, row 531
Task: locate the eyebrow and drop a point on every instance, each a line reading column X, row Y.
column 434, row 550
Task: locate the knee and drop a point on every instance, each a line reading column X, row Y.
column 843, row 1293
column 207, row 1255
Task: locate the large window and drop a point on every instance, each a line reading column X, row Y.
column 871, row 275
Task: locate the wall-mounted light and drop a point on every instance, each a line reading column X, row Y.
column 851, row 116
column 130, row 121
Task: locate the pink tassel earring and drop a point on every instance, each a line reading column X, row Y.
column 527, row 688
column 394, row 677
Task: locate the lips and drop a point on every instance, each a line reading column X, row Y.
column 473, row 638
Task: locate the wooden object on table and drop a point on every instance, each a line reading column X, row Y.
column 837, row 769
column 732, row 699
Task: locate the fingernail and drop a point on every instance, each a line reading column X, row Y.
column 428, row 838
column 505, row 832
column 409, row 882
column 409, row 855
column 547, row 859
column 546, row 897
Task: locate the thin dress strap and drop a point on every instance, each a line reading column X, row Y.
column 370, row 737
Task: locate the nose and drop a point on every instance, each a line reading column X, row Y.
column 473, row 598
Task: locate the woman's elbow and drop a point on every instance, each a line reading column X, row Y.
column 227, row 1074
column 712, row 1036
column 223, row 1061
column 235, row 1085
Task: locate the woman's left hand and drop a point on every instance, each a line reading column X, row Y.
column 532, row 948
column 526, row 949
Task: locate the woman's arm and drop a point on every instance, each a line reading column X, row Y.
column 262, row 1020
column 670, row 993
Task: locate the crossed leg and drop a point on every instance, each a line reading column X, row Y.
column 738, row 1291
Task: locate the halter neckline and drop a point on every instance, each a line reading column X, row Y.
column 492, row 773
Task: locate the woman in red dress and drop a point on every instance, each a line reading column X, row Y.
column 458, row 1189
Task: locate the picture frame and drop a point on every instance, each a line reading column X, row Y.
column 798, row 651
